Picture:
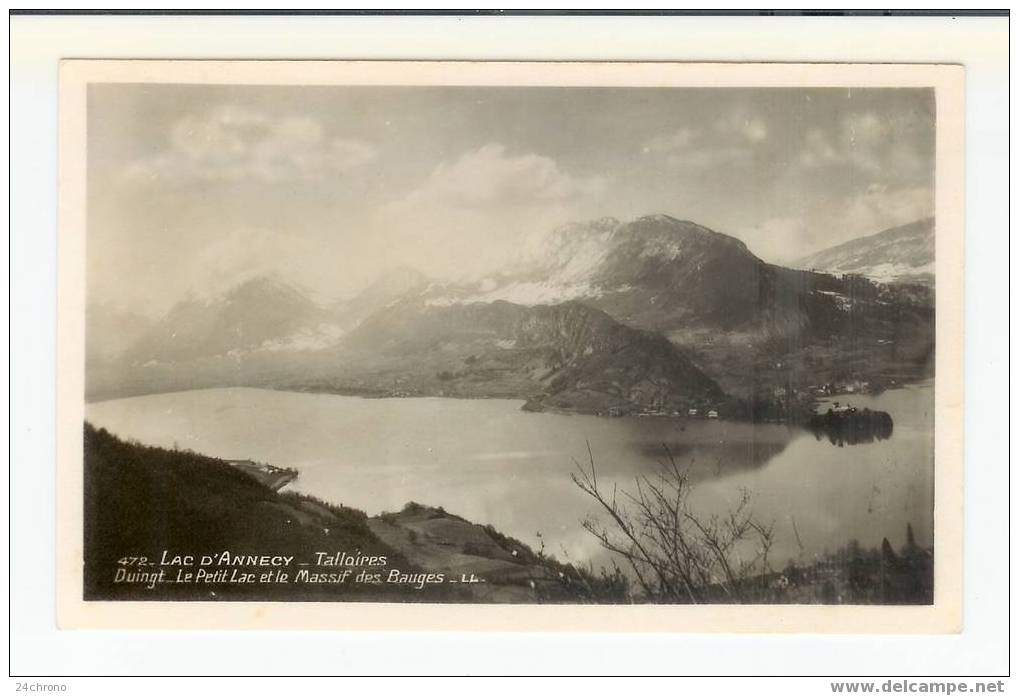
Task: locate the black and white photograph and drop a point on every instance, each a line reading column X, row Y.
column 569, row 344
column 350, row 347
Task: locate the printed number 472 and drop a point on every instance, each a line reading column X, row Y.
column 133, row 561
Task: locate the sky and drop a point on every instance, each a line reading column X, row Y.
column 193, row 188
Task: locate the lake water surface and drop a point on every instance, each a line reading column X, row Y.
column 491, row 462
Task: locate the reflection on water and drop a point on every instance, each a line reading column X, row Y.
column 851, row 426
column 493, row 463
column 716, row 458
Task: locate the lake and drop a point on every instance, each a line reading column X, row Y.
column 493, row 463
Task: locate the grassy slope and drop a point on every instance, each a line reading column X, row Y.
column 140, row 501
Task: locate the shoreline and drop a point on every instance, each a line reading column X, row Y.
column 806, row 410
column 923, row 382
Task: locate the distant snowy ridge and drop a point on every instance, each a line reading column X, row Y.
column 899, row 254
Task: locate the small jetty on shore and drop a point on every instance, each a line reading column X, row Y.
column 272, row 477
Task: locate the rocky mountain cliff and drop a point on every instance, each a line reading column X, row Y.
column 670, row 275
column 563, row 356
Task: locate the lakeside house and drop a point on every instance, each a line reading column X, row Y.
column 853, row 386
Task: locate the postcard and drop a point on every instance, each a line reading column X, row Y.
column 510, row 346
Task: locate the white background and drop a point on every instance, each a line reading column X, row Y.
column 38, row 649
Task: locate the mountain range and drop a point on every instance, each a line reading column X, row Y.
column 652, row 314
column 903, row 254
column 566, row 355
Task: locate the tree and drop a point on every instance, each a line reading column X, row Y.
column 676, row 554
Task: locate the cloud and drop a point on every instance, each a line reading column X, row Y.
column 706, row 158
column 732, row 141
column 229, row 143
column 774, row 238
column 755, row 131
column 819, row 151
column 739, row 126
column 483, row 204
column 866, row 143
column 830, row 221
column 881, row 208
column 680, row 140
column 491, row 176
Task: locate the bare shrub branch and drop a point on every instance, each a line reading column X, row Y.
column 675, row 554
